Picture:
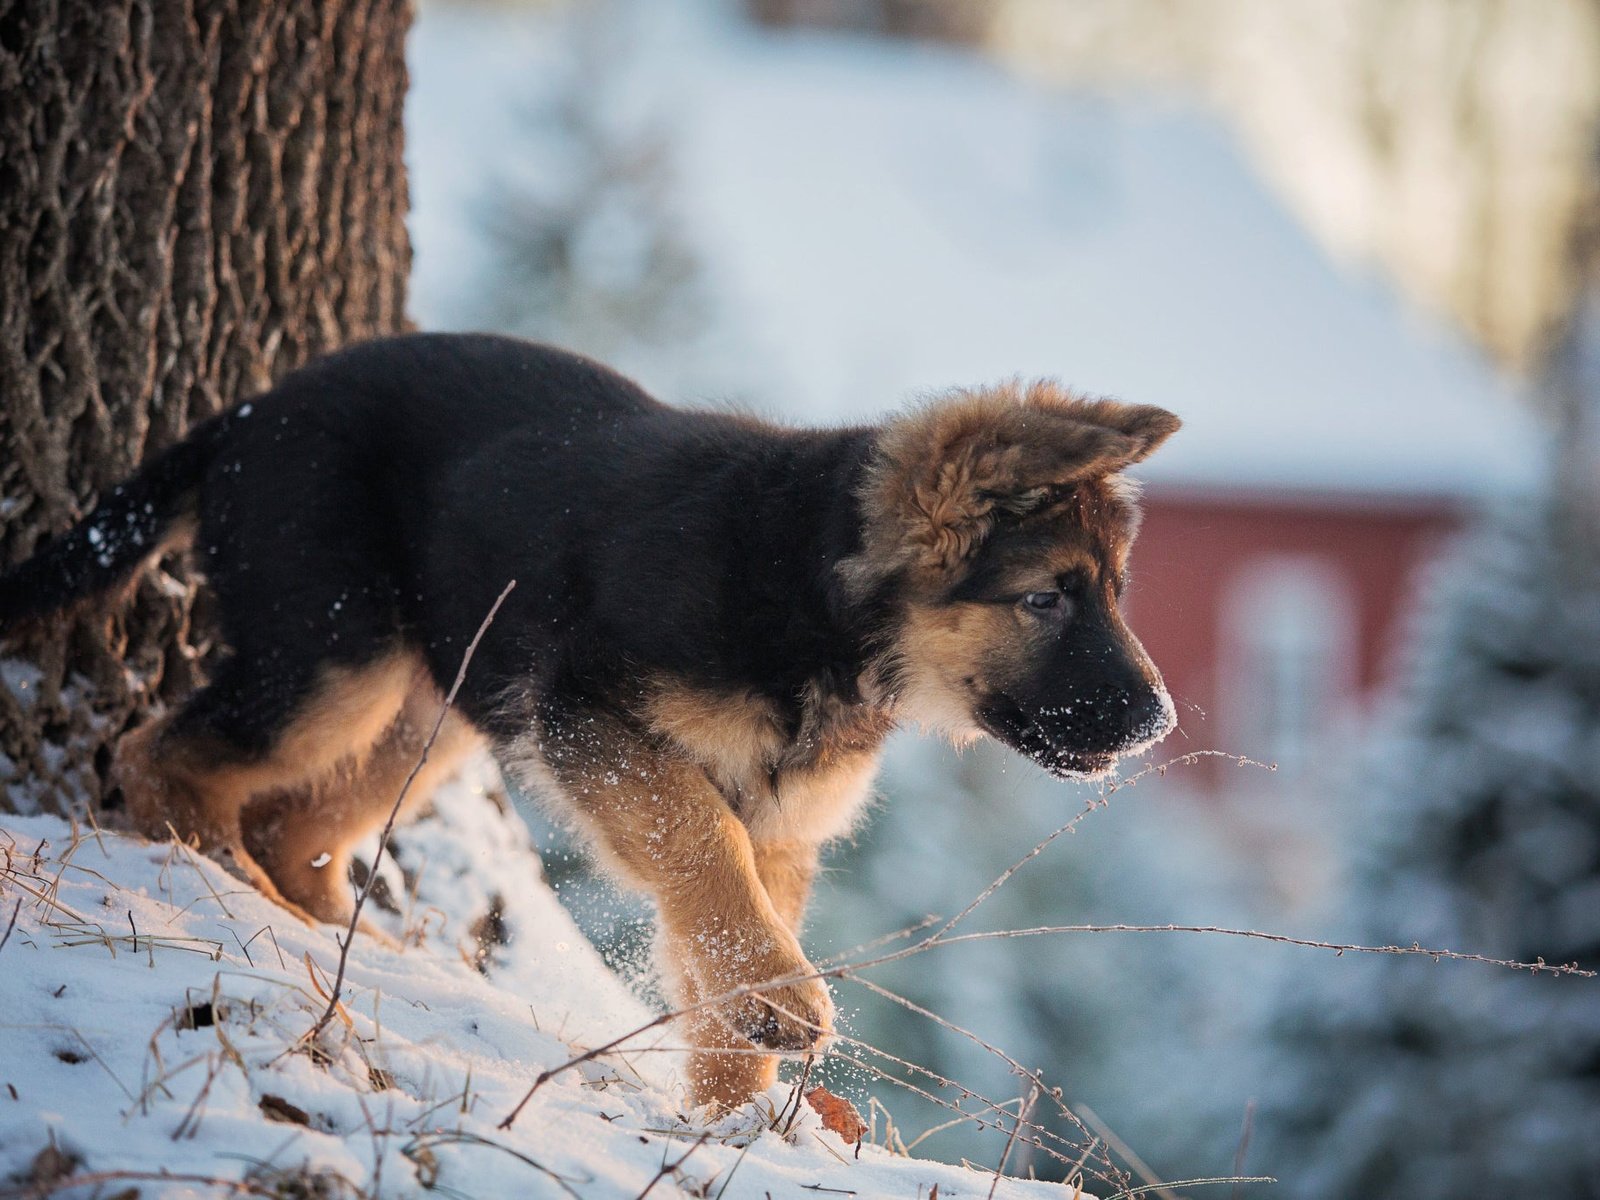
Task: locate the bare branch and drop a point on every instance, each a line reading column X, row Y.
column 1536, row 967
column 388, row 826
column 1090, row 805
column 672, row 1168
column 1022, row 1119
column 850, row 970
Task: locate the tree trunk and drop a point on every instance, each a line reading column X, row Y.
column 196, row 196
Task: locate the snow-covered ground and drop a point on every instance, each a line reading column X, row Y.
column 153, row 1010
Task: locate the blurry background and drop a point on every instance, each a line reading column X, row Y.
column 1352, row 243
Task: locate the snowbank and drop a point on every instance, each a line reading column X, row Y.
column 154, row 1010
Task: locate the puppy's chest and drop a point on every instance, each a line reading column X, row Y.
column 786, row 784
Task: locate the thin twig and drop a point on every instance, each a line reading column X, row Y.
column 727, row 1179
column 930, row 1131
column 672, row 1168
column 993, row 1117
column 1536, row 967
column 881, row 940
column 1152, row 1183
column 1022, row 1118
column 388, row 826
column 849, row 970
column 45, row 899
column 1016, row 1068
column 194, row 862
column 1090, row 806
column 797, row 1097
column 1189, row 1183
column 462, row 1137
column 13, row 923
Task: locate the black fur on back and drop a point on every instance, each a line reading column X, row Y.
column 386, row 494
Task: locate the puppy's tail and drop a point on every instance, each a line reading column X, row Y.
column 131, row 523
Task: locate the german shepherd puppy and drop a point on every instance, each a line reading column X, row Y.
column 716, row 623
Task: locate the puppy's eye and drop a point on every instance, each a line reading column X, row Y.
column 1042, row 601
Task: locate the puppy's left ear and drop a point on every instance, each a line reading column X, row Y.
column 944, row 476
column 1144, row 425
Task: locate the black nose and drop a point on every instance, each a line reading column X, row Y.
column 1150, row 715
column 1117, row 716
column 1080, row 729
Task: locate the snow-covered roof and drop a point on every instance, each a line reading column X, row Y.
column 881, row 219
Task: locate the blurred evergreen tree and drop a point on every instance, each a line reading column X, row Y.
column 1404, row 1078
column 590, row 254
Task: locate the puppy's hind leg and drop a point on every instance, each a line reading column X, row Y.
column 257, row 727
column 302, row 838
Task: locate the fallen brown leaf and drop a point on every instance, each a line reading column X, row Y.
column 837, row 1114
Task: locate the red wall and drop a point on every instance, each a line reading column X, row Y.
column 1192, row 547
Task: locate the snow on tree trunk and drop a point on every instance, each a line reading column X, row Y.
column 196, row 196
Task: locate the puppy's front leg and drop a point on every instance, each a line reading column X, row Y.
column 663, row 826
column 787, row 869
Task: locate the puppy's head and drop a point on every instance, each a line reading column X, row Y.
column 998, row 524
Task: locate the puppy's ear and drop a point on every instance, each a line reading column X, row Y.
column 944, row 475
column 1144, row 424
column 1024, row 449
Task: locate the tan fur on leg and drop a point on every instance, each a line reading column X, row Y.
column 302, row 838
column 717, row 1078
column 199, row 786
column 725, row 1080
column 657, row 818
column 786, row 870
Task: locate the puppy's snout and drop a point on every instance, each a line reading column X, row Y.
column 1150, row 716
column 1120, row 716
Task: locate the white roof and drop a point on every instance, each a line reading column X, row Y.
column 880, row 219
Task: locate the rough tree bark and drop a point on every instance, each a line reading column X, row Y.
column 195, row 197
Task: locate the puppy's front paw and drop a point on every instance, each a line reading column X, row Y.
column 794, row 1016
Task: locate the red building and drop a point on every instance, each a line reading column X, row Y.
column 1276, row 616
